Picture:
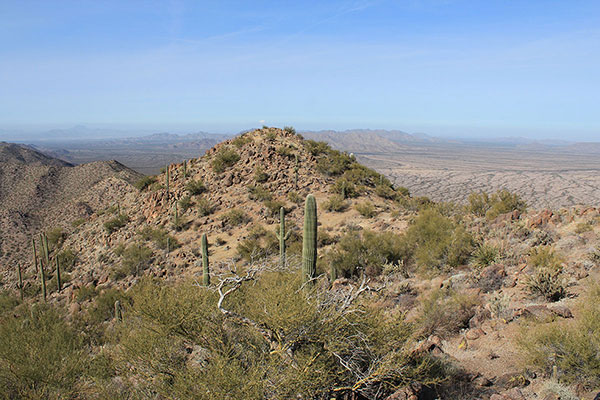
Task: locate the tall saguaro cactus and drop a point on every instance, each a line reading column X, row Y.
column 118, row 311
column 282, row 235
column 184, row 168
column 309, row 240
column 205, row 270
column 296, row 171
column 35, row 258
column 20, row 280
column 43, row 280
column 58, row 280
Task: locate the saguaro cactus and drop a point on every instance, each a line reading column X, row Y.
column 118, row 311
column 35, row 258
column 43, row 281
column 20, row 280
column 205, row 270
column 309, row 240
column 184, row 168
column 282, row 235
column 58, row 280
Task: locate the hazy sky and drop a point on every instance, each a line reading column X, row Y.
column 460, row 68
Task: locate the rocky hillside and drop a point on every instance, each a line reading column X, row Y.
column 39, row 192
column 485, row 287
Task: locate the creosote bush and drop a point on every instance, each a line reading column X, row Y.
column 335, row 203
column 159, row 236
column 235, row 217
column 366, row 209
column 145, row 182
column 367, row 252
column 501, row 202
column 320, row 348
column 195, row 187
column 41, row 356
column 116, row 223
column 438, row 241
column 204, row 206
column 572, row 345
column 225, row 158
column 445, row 312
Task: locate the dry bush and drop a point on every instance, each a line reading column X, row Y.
column 335, row 203
column 445, row 312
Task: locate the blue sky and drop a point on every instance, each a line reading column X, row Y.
column 449, row 68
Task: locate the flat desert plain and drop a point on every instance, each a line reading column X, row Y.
column 545, row 176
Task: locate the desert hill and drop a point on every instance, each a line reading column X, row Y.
column 483, row 286
column 38, row 192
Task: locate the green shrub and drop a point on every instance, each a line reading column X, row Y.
column 185, row 203
column 235, row 217
column 285, row 151
column 85, row 293
column 41, row 356
column 204, row 207
column 385, row 191
column 445, row 312
column 289, row 130
column 367, row 252
column 547, row 283
column 260, row 175
column 294, row 197
column 160, row 237
column 316, row 148
column 136, row 258
column 67, row 259
column 273, row 206
column 259, row 244
column 103, row 307
column 195, row 187
column 438, row 241
column 583, row 227
column 241, row 140
column 336, row 163
column 572, row 345
column 335, row 203
column 116, row 223
column 485, row 255
column 78, row 222
column 501, row 202
column 545, row 257
column 343, row 185
column 366, row 209
column 145, row 182
column 225, row 158
column 259, row 193
column 314, row 341
column 56, row 236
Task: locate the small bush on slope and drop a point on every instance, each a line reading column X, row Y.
column 572, row 345
column 503, row 201
column 368, row 252
column 438, row 241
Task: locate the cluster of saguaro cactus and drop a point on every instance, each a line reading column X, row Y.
column 205, row 270
column 309, row 240
column 282, row 235
column 42, row 263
